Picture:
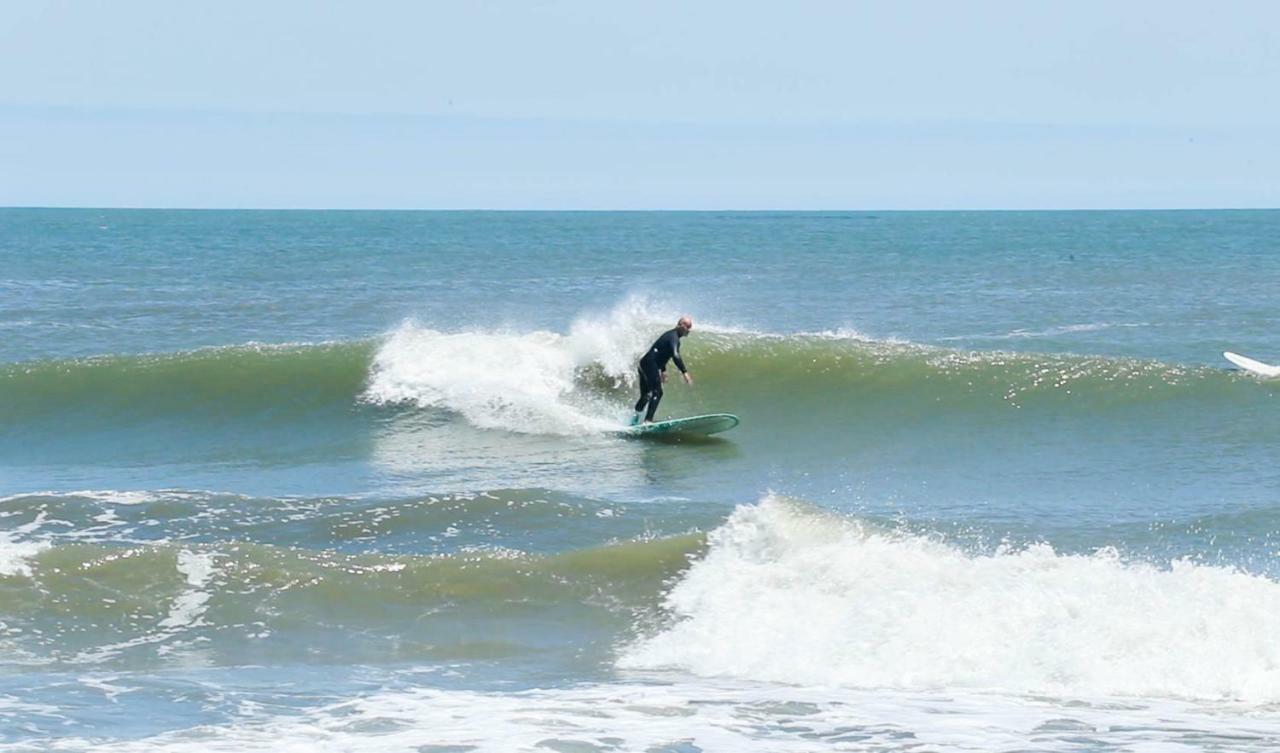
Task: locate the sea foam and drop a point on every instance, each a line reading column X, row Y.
column 790, row 594
column 16, row 554
column 522, row 381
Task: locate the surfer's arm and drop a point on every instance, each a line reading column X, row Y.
column 688, row 378
column 675, row 354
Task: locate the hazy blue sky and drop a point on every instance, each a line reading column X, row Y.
column 598, row 104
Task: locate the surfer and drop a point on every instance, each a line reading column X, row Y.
column 653, row 368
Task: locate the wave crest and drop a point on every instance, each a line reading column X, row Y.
column 790, row 594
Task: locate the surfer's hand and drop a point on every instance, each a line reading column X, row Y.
column 688, row 378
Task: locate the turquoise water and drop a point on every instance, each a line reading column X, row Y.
column 349, row 480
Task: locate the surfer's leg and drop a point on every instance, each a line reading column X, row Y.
column 655, row 396
column 644, row 391
column 650, row 388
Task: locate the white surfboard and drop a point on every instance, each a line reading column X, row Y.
column 1252, row 366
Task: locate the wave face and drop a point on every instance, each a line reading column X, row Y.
column 780, row 591
column 546, row 382
column 110, row 580
column 227, row 383
column 791, row 594
column 150, row 605
column 534, row 521
column 423, row 410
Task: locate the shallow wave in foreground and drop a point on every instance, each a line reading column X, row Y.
column 795, row 595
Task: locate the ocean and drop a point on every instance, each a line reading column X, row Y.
column 351, row 481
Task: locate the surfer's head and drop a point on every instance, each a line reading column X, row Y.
column 684, row 325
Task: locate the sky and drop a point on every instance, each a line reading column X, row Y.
column 660, row 105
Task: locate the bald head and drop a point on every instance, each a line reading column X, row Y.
column 684, row 325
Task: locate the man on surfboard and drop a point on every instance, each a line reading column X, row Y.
column 653, row 368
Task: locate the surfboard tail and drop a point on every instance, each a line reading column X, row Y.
column 1252, row 366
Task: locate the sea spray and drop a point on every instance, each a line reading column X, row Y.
column 515, row 382
column 525, row 381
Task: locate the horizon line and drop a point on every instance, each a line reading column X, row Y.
column 619, row 210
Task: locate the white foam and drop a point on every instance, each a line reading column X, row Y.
column 854, row 335
column 615, row 339
column 119, row 497
column 186, row 611
column 104, row 684
column 789, row 594
column 1048, row 332
column 15, row 555
column 716, row 717
column 110, row 496
column 517, row 381
column 190, row 605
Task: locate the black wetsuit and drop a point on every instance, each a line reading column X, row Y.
column 652, row 364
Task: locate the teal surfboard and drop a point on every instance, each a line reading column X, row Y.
column 711, row 423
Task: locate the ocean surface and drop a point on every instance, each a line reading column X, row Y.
column 349, row 481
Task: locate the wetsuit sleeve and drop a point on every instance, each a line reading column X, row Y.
column 675, row 353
